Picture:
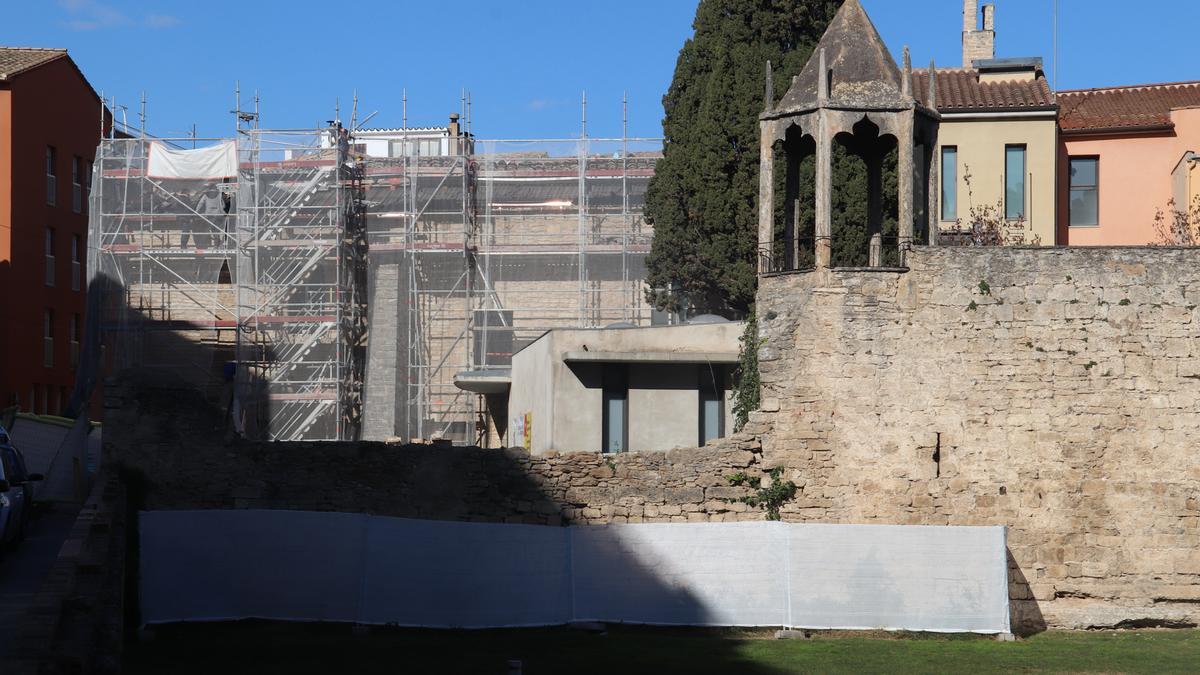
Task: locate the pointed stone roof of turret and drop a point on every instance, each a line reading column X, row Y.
column 864, row 74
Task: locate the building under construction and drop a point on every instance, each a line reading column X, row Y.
column 316, row 285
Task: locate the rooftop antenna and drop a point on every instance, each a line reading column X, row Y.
column 624, row 117
column 468, row 113
column 1056, row 45
column 354, row 111
column 102, row 106
column 240, row 116
column 142, row 116
column 337, row 110
column 584, row 104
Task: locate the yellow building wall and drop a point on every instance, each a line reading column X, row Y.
column 981, row 144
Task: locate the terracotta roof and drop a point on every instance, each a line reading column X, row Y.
column 1125, row 109
column 16, row 60
column 959, row 90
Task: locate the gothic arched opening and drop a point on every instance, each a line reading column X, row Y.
column 794, row 209
column 865, row 197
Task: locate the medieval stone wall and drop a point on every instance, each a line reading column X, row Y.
column 1055, row 391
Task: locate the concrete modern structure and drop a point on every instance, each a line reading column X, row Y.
column 615, row 390
column 50, row 122
column 1126, row 153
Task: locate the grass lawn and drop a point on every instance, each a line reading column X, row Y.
column 254, row 647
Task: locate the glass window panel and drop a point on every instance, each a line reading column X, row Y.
column 710, row 410
column 614, row 417
column 1085, row 206
column 1014, row 182
column 1083, row 172
column 949, row 183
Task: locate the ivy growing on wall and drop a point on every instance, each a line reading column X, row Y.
column 772, row 497
column 747, row 394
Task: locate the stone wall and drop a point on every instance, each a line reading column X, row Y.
column 174, row 442
column 1055, row 391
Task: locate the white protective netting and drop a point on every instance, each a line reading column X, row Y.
column 310, row 566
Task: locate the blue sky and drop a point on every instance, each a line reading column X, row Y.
column 526, row 62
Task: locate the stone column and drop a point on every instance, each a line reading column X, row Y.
column 874, row 161
column 824, row 188
column 935, row 186
column 766, row 192
column 905, row 170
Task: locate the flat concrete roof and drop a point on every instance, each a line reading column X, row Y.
column 484, row 381
column 650, row 357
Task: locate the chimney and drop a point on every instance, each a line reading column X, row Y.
column 978, row 45
column 454, row 131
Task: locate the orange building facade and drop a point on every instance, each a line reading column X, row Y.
column 49, row 130
column 1125, row 155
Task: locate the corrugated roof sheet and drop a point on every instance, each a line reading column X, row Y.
column 16, row 60
column 1134, row 108
column 959, row 90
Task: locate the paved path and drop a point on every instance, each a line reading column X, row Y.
column 23, row 569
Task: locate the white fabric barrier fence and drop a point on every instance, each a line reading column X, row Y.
column 316, row 566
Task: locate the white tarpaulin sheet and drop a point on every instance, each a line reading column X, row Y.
column 211, row 163
column 306, row 566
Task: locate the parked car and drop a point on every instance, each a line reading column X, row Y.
column 16, row 492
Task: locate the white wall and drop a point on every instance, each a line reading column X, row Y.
column 319, row 566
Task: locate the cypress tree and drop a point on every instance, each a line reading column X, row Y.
column 703, row 199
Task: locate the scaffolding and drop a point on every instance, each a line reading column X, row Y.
column 485, row 249
column 476, row 248
column 247, row 287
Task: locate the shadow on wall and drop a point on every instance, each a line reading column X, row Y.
column 168, row 378
column 1025, row 616
column 168, row 430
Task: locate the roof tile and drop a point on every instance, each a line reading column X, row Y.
column 16, row 60
column 1134, row 108
column 959, row 90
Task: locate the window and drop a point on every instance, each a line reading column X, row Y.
column 950, row 183
column 76, row 262
column 431, row 148
column 616, row 409
column 49, row 256
column 712, row 403
column 87, row 183
column 74, row 335
column 1085, row 191
column 1014, row 182
column 77, row 184
column 48, row 338
column 51, row 174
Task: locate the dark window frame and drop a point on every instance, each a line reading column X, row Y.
column 51, row 175
column 1094, row 187
column 77, row 184
column 1024, row 180
column 615, row 386
column 709, row 377
column 51, row 259
column 942, row 188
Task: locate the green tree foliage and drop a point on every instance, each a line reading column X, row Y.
column 703, row 198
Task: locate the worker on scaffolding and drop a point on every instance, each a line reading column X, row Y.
column 213, row 208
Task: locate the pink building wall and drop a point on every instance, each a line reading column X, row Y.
column 1134, row 181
